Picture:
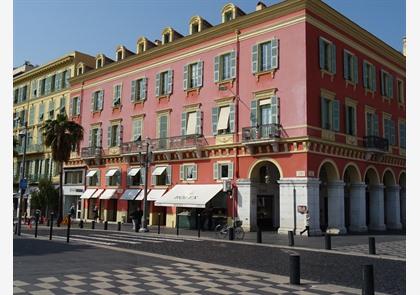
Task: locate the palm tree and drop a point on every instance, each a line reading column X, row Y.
column 61, row 135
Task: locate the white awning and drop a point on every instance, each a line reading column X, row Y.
column 191, row 123
column 111, row 172
column 109, row 193
column 141, row 195
column 133, row 171
column 189, row 195
column 158, row 170
column 91, row 173
column 97, row 193
column 88, row 193
column 155, row 194
column 223, row 122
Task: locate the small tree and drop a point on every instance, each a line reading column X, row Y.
column 46, row 199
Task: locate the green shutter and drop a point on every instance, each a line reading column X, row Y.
column 369, row 124
column 274, row 53
column 365, row 73
column 109, row 136
column 41, row 112
column 71, row 104
column 383, row 78
column 168, row 175
column 232, row 116
column 90, row 138
column 183, row 123
column 200, row 71
column 101, row 100
column 157, row 85
column 170, row 81
column 92, row 102
column 346, row 66
column 186, row 76
column 143, row 89
column 375, row 125
column 321, row 54
column 198, row 124
column 181, row 172
column 194, row 172
column 373, row 72
column 216, row 68
column 336, row 115
column 133, row 90
column 392, row 131
column 215, row 171
column 31, row 115
column 355, row 69
column 214, row 117
column 58, row 81
column 255, row 58
column 391, row 86
column 274, row 110
column 253, row 118
column 333, row 59
column 348, row 120
column 324, row 113
column 233, row 64
column 230, row 170
column 402, row 135
column 78, row 105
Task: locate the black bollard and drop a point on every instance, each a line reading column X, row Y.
column 291, row 238
column 81, row 223
column 327, row 242
column 51, row 224
column 68, row 227
column 231, row 234
column 199, row 224
column 158, row 223
column 16, row 228
column 106, row 225
column 259, row 235
column 36, row 227
column 368, row 280
column 119, row 225
column 93, row 224
column 294, row 269
column 177, row 225
column 372, row 248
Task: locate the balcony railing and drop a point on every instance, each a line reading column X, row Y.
column 31, row 148
column 92, row 152
column 263, row 132
column 376, row 143
column 132, row 147
column 178, row 142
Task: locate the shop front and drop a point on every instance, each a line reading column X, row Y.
column 72, row 197
column 208, row 200
column 108, row 204
column 85, row 199
column 153, row 196
column 94, row 201
column 130, row 196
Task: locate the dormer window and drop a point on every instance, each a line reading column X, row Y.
column 140, row 47
column 99, row 63
column 169, row 35
column 195, row 28
column 119, row 55
column 230, row 12
column 197, row 24
column 166, row 38
column 80, row 69
column 228, row 16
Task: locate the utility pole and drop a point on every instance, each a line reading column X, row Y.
column 22, row 177
column 144, row 228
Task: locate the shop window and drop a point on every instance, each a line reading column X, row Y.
column 73, row 177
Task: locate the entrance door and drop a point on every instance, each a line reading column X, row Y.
column 265, row 120
column 265, row 211
column 79, row 209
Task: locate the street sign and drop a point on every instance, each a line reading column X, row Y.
column 23, row 183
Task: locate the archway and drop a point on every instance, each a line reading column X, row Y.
column 354, row 199
column 264, row 175
column 401, row 182
column 327, row 174
column 391, row 200
column 374, row 199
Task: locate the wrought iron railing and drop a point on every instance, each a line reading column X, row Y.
column 178, row 142
column 132, row 147
column 92, row 152
column 30, row 148
column 376, row 142
column 269, row 131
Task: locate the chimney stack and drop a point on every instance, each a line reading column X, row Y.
column 158, row 42
column 260, row 6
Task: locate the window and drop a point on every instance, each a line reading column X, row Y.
column 141, row 47
column 350, row 67
column 51, row 109
column 191, row 123
column 164, row 83
column 24, row 92
column 136, row 128
column 53, row 83
column 58, row 84
column 73, row 177
column 113, row 177
column 225, row 67
column 93, row 178
column 400, row 89
column 264, row 112
column 136, row 176
column 166, row 38
column 114, row 135
column 228, row 16
column 119, row 55
column 369, row 76
column 389, row 129
column 330, row 114
column 372, row 126
column 351, row 120
column 223, row 119
column 327, row 56
column 16, row 95
column 34, row 87
column 194, row 28
column 95, row 137
column 42, row 86
column 387, row 82
column 163, row 130
column 117, row 96
column 193, row 75
column 402, row 134
column 97, row 101
column 99, row 63
column 31, row 115
column 66, row 77
column 139, row 90
column 75, row 106
column 223, row 170
column 188, row 172
column 161, row 175
column 62, row 105
column 41, row 112
column 48, row 85
column 265, row 56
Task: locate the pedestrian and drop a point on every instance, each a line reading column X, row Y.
column 136, row 218
column 72, row 210
column 95, row 213
column 307, row 218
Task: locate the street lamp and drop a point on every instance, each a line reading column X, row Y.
column 144, row 228
column 22, row 182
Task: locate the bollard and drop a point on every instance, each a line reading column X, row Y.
column 81, row 223
column 291, row 238
column 177, row 225
column 368, row 280
column 294, row 269
column 93, row 224
column 199, row 225
column 119, row 225
column 231, row 234
column 106, row 225
column 16, row 227
column 372, row 248
column 68, row 227
column 259, row 235
column 158, row 223
column 51, row 225
column 327, row 245
column 36, row 227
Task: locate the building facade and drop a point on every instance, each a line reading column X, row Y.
column 40, row 93
column 298, row 107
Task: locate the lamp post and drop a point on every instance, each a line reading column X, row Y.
column 144, row 228
column 22, row 182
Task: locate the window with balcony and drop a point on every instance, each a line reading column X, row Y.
column 95, row 137
column 161, row 175
column 164, row 83
column 223, row 119
column 188, row 172
column 93, row 178
column 191, row 123
column 223, row 170
column 402, row 134
column 350, row 67
column 97, row 101
column 41, row 112
column 113, row 177
column 330, row 114
column 193, row 75
column 372, row 125
column 225, row 67
column 264, row 118
column 62, row 105
column 351, row 120
column 136, row 176
column 139, row 90
column 327, row 56
column 75, row 106
column 136, row 128
column 114, row 135
column 265, row 56
column 389, row 129
column 400, row 91
column 73, row 177
column 369, row 76
column 31, row 115
column 387, row 83
column 116, row 102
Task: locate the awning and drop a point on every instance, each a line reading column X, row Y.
column 189, row 195
column 223, row 122
column 97, row 193
column 192, row 122
column 130, row 194
column 91, row 173
column 111, row 172
column 158, row 170
column 109, row 193
column 133, row 171
column 141, row 195
column 155, row 194
column 88, row 193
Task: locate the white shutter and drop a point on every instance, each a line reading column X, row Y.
column 274, row 53
column 233, row 64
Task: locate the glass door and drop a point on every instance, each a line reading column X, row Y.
column 265, row 120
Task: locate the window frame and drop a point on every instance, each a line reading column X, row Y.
column 115, row 180
column 114, row 89
column 185, row 167
column 97, row 176
column 328, row 55
column 400, row 91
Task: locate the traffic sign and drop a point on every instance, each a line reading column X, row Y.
column 23, row 183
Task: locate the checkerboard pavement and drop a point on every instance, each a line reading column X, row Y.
column 174, row 278
column 394, row 248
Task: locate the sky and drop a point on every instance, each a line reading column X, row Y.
column 44, row 30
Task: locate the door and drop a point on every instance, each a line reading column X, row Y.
column 265, row 211
column 265, row 120
column 79, row 209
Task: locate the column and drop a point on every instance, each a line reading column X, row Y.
column 296, row 192
column 358, row 207
column 376, row 207
column 402, row 196
column 336, row 206
column 246, row 204
column 392, row 200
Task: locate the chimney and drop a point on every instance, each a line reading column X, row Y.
column 404, row 50
column 260, row 6
column 158, row 42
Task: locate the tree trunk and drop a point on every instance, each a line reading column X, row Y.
column 60, row 197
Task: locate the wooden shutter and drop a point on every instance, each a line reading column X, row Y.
column 216, row 68
column 183, row 123
column 215, row 170
column 365, row 73
column 198, row 123
column 274, row 110
column 253, row 116
column 232, row 116
column 143, row 88
column 321, row 54
column 355, row 69
column 336, row 115
column 333, row 59
column 346, row 66
column 90, row 138
column 324, row 113
column 78, row 105
column 214, row 119
column 186, row 67
column 200, row 73
column 101, row 100
column 157, row 85
column 230, row 170
column 181, row 172
column 254, row 61
column 168, row 174
column 170, row 81
column 233, row 64
column 274, row 53
column 109, row 135
column 133, row 90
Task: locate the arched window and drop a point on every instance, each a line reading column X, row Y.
column 80, row 69
column 197, row 24
column 230, row 12
column 169, row 35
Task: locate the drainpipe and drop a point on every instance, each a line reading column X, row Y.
column 236, row 98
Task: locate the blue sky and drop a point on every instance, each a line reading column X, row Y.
column 46, row 29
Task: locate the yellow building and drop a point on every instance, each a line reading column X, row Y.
column 39, row 94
